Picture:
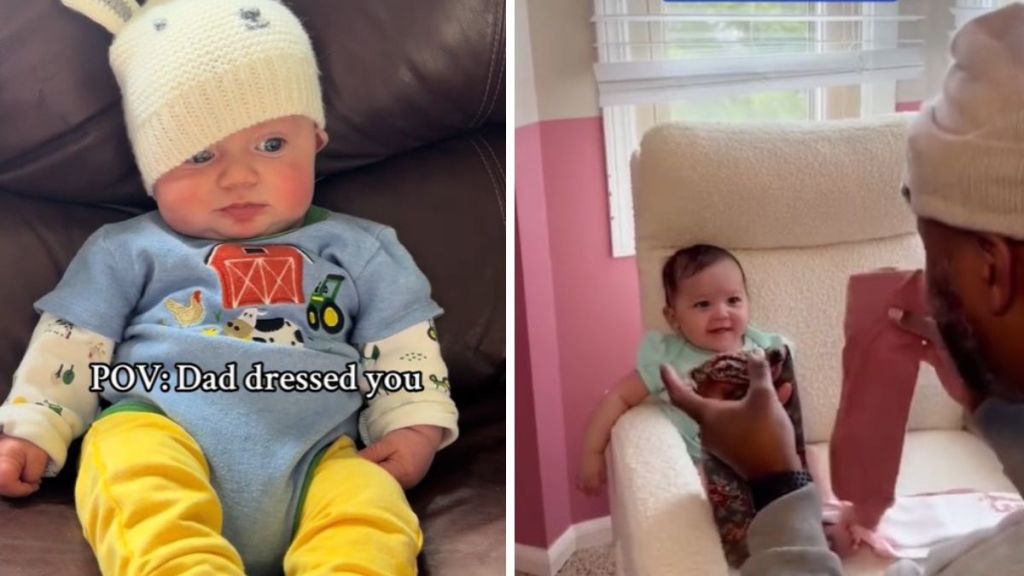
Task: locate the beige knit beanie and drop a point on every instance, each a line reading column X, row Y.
column 965, row 158
column 192, row 72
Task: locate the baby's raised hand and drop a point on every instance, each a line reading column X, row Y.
column 406, row 453
column 22, row 464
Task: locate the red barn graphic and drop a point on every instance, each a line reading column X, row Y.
column 258, row 274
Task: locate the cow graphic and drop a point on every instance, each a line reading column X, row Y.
column 251, row 325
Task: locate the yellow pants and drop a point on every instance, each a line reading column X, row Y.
column 146, row 505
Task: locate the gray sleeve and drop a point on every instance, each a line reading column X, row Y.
column 1001, row 424
column 393, row 293
column 786, row 538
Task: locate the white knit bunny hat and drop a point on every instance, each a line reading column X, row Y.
column 193, row 72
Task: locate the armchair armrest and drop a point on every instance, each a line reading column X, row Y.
column 661, row 517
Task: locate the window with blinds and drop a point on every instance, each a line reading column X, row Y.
column 655, row 51
column 660, row 61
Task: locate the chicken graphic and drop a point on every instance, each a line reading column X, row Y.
column 189, row 315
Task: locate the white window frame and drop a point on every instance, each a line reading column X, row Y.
column 621, row 125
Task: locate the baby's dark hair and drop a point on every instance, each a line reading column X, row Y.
column 688, row 262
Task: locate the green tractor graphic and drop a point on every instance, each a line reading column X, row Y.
column 322, row 312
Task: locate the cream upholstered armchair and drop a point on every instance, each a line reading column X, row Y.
column 802, row 207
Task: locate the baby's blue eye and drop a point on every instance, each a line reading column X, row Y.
column 272, row 145
column 200, row 158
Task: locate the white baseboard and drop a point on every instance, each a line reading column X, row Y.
column 547, row 562
column 532, row 560
column 596, row 532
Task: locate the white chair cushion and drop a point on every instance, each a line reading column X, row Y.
column 770, row 185
column 661, row 517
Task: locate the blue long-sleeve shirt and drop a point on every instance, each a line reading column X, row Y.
column 303, row 300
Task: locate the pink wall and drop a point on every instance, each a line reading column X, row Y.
column 597, row 296
column 530, row 528
column 544, row 375
column 564, row 238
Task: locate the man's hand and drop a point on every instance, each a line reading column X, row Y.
column 753, row 435
column 917, row 324
column 926, row 328
column 406, row 453
column 22, row 464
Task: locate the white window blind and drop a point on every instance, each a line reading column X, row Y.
column 653, row 55
column 656, row 51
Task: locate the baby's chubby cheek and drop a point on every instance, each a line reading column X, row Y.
column 179, row 211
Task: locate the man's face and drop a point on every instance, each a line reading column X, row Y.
column 959, row 307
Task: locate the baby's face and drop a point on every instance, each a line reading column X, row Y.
column 255, row 182
column 710, row 308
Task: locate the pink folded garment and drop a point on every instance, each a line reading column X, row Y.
column 880, row 366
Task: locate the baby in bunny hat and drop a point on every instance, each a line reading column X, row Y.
column 259, row 327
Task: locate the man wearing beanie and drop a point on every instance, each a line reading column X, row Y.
column 234, row 331
column 965, row 182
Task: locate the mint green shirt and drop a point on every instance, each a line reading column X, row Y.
column 658, row 348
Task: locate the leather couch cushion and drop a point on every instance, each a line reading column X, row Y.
column 396, row 75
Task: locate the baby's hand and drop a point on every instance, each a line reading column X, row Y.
column 406, row 453
column 592, row 473
column 21, row 466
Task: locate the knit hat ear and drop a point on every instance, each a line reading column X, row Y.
column 111, row 14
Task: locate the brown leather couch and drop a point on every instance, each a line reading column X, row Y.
column 415, row 94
